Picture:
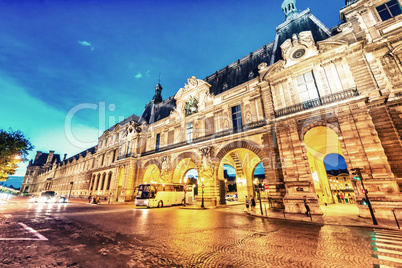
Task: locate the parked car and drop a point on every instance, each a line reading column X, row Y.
column 34, row 198
column 231, row 197
column 62, row 199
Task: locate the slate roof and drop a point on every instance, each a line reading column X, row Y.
column 41, row 160
column 77, row 156
column 349, row 2
column 154, row 112
column 128, row 119
column 240, row 71
column 304, row 21
column 246, row 68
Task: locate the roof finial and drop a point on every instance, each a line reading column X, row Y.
column 289, row 8
column 158, row 90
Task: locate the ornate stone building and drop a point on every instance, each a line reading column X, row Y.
column 311, row 92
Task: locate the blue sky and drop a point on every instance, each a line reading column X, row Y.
column 60, row 56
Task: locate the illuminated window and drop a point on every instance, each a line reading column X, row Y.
column 189, row 132
column 236, row 118
column 389, row 10
column 307, row 87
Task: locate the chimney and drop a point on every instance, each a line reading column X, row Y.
column 38, row 153
column 65, row 156
column 50, row 157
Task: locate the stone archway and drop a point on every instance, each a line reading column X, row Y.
column 321, row 141
column 244, row 162
column 151, row 174
column 182, row 168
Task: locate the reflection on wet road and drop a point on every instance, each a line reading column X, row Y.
column 205, row 238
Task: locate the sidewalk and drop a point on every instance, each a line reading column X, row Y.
column 345, row 215
column 338, row 214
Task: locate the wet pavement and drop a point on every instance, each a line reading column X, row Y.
column 83, row 235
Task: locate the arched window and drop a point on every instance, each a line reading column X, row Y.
column 109, row 181
column 103, row 181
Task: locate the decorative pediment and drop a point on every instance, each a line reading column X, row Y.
column 300, row 47
column 192, row 97
column 273, row 69
column 193, row 84
column 324, row 46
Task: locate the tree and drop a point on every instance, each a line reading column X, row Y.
column 14, row 148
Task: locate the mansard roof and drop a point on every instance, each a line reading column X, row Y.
column 134, row 118
column 246, row 68
column 42, row 159
column 349, row 2
column 77, row 156
column 304, row 21
column 154, row 112
column 240, row 71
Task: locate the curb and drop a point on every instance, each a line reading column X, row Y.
column 324, row 223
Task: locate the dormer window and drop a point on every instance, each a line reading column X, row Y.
column 389, row 10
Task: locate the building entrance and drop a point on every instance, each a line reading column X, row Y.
column 332, row 183
column 243, row 162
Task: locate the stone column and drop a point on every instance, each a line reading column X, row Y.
column 296, row 169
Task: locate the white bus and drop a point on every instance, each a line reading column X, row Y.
column 163, row 194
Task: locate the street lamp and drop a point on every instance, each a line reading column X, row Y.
column 258, row 190
column 202, row 188
column 185, row 188
column 71, row 183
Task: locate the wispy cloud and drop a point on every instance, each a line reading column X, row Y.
column 86, row 44
column 138, row 75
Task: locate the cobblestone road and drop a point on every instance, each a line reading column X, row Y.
column 81, row 235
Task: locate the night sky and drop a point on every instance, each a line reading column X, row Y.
column 58, row 57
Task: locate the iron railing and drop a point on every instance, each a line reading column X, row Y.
column 343, row 95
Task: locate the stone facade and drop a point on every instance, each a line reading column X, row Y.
column 345, row 82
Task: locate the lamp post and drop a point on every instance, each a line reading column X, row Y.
column 71, row 183
column 185, row 188
column 202, row 188
column 258, row 190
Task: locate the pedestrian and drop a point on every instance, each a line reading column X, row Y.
column 89, row 198
column 306, row 206
column 341, row 197
column 338, row 197
column 252, row 204
column 351, row 200
column 247, row 203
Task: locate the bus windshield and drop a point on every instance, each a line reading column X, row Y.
column 143, row 191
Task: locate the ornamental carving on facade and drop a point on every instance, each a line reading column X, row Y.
column 191, row 106
column 165, row 170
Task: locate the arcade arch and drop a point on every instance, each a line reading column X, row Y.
column 152, row 174
column 182, row 168
column 320, row 142
column 244, row 161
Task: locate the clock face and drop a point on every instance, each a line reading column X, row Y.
column 298, row 53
